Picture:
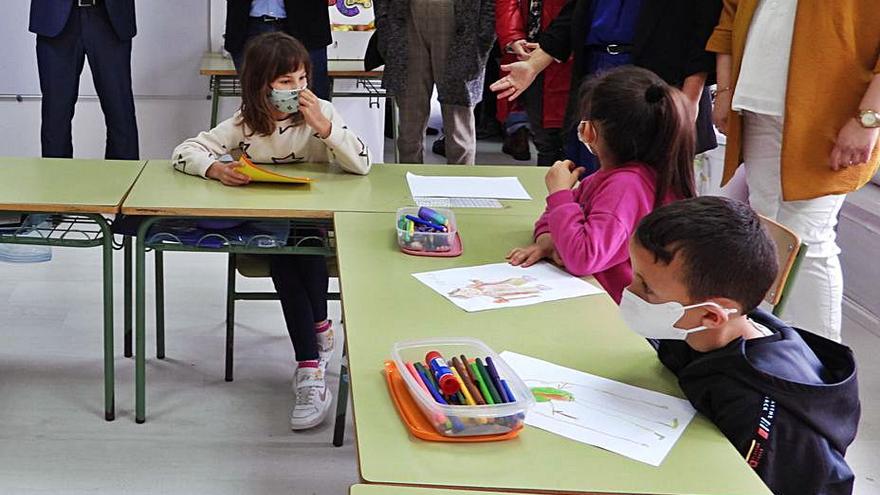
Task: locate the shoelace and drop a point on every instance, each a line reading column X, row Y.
column 309, row 396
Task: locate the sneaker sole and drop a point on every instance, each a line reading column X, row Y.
column 314, row 423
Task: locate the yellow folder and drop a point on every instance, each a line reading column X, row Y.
column 260, row 174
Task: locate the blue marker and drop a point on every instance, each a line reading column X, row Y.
column 493, row 375
column 507, row 390
column 432, row 225
column 430, row 215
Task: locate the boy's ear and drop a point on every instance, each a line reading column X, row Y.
column 718, row 316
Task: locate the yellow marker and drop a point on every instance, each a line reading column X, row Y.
column 467, row 395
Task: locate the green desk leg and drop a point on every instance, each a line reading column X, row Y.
column 215, row 99
column 395, row 132
column 126, row 244
column 160, row 304
column 341, row 400
column 140, row 323
column 109, row 371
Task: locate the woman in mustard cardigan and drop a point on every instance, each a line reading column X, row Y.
column 801, row 79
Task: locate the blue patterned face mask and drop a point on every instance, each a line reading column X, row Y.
column 285, row 100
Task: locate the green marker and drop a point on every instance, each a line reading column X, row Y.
column 485, row 378
column 481, row 382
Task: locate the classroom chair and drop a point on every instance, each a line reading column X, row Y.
column 790, row 251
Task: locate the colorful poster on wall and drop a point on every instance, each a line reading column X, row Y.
column 352, row 15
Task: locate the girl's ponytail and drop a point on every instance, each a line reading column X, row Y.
column 671, row 150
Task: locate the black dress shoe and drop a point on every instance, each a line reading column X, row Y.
column 439, row 146
column 517, row 145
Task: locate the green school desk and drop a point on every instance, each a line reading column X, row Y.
column 383, row 303
column 81, row 191
column 163, row 192
column 362, row 489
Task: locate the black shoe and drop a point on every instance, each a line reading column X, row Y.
column 489, row 129
column 430, row 131
column 439, row 147
column 517, row 145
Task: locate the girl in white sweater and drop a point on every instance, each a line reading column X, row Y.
column 282, row 121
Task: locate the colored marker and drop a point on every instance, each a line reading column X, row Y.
column 468, row 398
column 445, row 379
column 430, row 384
column 507, row 390
column 439, row 418
column 469, row 385
column 496, row 379
column 430, row 215
column 431, row 225
column 484, row 374
column 473, row 377
column 483, row 388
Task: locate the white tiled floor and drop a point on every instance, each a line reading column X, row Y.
column 203, row 435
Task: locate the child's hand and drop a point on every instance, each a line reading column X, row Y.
column 562, row 175
column 227, row 174
column 529, row 255
column 310, row 107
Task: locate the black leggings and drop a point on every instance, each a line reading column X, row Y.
column 301, row 283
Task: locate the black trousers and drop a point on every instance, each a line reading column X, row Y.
column 301, row 283
column 548, row 141
column 60, row 60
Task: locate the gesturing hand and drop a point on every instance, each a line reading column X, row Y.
column 520, row 76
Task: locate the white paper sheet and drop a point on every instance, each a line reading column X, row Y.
column 457, row 202
column 501, row 285
column 638, row 423
column 466, row 187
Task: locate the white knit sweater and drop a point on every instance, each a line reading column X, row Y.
column 288, row 144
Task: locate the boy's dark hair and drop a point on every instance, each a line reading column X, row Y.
column 726, row 251
column 644, row 119
column 266, row 58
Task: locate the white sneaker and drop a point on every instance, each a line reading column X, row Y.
column 326, row 343
column 312, row 398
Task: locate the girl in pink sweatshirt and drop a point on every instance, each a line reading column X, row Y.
column 642, row 132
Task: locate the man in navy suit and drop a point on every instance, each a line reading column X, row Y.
column 67, row 32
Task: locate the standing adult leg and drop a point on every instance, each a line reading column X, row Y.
column 414, row 101
column 320, row 82
column 816, row 296
column 548, row 141
column 110, row 62
column 436, row 21
column 60, row 63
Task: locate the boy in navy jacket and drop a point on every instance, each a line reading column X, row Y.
column 787, row 399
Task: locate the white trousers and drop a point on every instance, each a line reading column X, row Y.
column 814, row 303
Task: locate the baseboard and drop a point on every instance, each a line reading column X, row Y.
column 866, row 319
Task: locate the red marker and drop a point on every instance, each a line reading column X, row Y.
column 448, row 384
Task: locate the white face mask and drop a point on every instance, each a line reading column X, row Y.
column 656, row 321
column 285, row 100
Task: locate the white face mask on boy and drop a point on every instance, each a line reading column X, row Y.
column 656, row 321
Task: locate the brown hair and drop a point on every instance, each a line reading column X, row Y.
column 266, row 58
column 643, row 119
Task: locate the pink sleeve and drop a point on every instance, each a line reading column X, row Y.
column 593, row 242
column 542, row 226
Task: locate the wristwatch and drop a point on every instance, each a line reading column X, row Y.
column 869, row 118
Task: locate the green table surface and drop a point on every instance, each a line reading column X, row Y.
column 161, row 190
column 362, row 489
column 65, row 186
column 215, row 64
column 384, row 304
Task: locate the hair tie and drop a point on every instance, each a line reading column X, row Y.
column 654, row 93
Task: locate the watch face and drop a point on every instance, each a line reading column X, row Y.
column 870, row 119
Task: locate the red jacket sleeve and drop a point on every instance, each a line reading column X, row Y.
column 509, row 22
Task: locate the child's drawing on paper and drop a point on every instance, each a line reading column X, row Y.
column 503, row 291
column 632, row 421
column 501, row 285
column 352, row 15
